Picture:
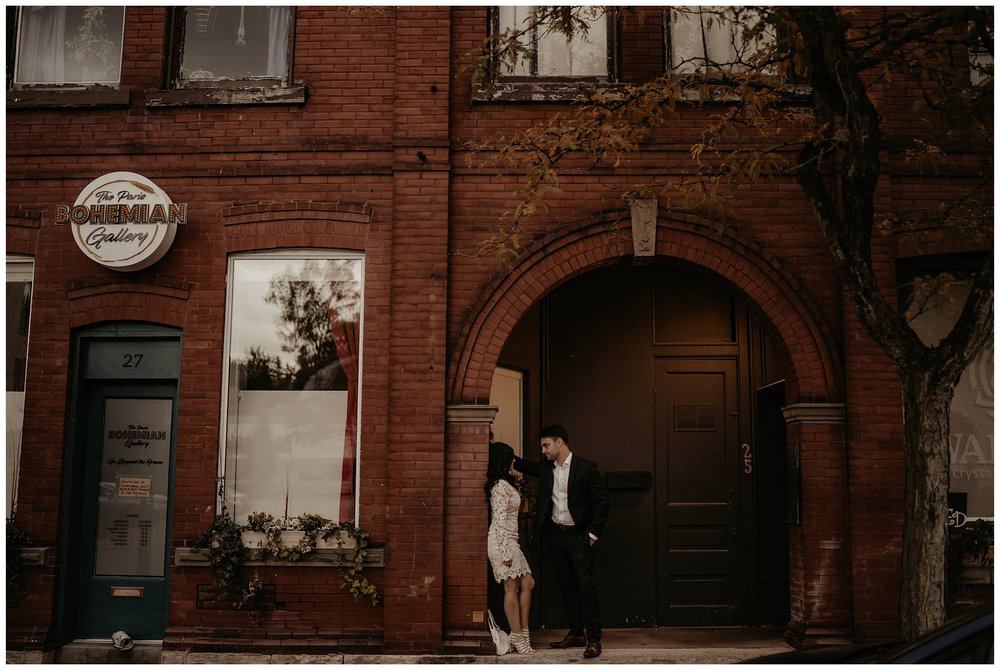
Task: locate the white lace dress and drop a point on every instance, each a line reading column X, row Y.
column 501, row 541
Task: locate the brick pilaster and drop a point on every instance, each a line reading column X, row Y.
column 819, row 571
column 468, row 435
column 414, row 586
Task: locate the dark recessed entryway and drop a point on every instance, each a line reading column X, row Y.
column 666, row 378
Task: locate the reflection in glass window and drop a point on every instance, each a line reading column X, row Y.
column 550, row 53
column 291, row 426
column 69, row 45
column 234, row 42
column 707, row 38
column 19, row 276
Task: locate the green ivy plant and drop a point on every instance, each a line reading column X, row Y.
column 226, row 554
column 17, row 539
column 352, row 578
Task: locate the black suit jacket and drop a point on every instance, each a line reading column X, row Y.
column 588, row 496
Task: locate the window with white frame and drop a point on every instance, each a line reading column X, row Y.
column 708, row 40
column 220, row 43
column 292, row 380
column 69, row 45
column 19, row 279
column 549, row 52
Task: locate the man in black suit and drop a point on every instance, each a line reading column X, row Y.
column 572, row 508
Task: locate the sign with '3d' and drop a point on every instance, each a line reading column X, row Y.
column 123, row 221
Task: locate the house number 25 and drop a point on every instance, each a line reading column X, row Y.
column 747, row 458
column 131, row 360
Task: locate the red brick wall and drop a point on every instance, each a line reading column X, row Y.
column 330, row 165
column 377, row 160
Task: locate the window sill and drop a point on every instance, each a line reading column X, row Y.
column 542, row 90
column 571, row 91
column 69, row 98
column 228, row 96
column 318, row 558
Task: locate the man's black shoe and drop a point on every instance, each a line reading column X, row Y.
column 570, row 641
column 593, row 650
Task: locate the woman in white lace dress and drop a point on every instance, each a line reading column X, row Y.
column 506, row 558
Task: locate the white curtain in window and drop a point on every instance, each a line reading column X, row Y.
column 582, row 56
column 557, row 56
column 697, row 36
column 713, row 35
column 41, row 45
column 512, row 18
column 277, row 42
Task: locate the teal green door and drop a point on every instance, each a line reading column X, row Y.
column 119, row 532
column 123, row 566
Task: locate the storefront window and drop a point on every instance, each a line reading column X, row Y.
column 234, row 43
column 69, row 45
column 19, row 275
column 971, row 441
column 291, row 408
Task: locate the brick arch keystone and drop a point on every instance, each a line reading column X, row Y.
column 601, row 242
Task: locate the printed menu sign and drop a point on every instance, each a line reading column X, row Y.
column 132, row 503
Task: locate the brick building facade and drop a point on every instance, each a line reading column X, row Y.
column 357, row 152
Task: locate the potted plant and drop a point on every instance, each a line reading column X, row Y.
column 254, row 533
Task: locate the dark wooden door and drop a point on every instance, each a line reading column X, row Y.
column 697, row 493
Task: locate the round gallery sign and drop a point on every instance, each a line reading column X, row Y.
column 123, row 221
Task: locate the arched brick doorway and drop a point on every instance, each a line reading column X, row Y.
column 810, row 365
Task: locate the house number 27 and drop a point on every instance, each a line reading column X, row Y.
column 131, row 360
column 747, row 458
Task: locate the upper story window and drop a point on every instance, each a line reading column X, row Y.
column 548, row 51
column 980, row 66
column 241, row 44
column 68, row 45
column 707, row 40
column 291, row 389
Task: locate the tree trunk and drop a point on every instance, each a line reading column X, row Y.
column 926, row 405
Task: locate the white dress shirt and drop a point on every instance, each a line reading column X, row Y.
column 560, row 493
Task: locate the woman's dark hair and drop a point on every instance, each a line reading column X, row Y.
column 501, row 456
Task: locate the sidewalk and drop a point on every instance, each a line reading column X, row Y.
column 662, row 645
column 626, row 646
column 621, row 646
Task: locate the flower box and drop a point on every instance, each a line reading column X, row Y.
column 338, row 540
column 253, row 539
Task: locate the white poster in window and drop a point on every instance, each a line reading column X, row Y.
column 132, row 496
column 288, row 455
